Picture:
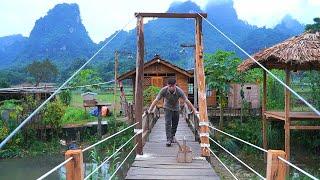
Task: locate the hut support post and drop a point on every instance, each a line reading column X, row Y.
column 287, row 115
column 204, row 129
column 264, row 108
column 139, row 83
column 115, row 82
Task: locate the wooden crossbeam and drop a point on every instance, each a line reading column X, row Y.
column 305, row 127
column 171, row 15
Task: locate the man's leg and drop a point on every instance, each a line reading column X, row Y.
column 168, row 120
column 175, row 121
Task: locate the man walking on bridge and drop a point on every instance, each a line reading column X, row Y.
column 171, row 94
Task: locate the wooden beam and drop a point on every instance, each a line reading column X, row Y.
column 139, row 82
column 201, row 87
column 170, row 15
column 264, row 108
column 115, row 81
column 74, row 168
column 305, row 127
column 276, row 169
column 287, row 116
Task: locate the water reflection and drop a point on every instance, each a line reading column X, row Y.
column 32, row 168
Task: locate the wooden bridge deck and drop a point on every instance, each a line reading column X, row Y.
column 159, row 161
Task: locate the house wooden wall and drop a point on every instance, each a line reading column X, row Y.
column 251, row 94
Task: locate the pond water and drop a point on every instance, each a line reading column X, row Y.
column 32, row 168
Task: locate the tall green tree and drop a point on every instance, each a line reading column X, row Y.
column 315, row 27
column 221, row 70
column 42, row 70
column 86, row 77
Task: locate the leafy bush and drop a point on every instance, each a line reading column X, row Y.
column 53, row 114
column 65, row 96
column 149, row 94
column 4, row 131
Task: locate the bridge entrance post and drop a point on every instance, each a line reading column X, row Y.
column 201, row 84
column 139, row 82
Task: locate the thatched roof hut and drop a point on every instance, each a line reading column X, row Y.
column 297, row 53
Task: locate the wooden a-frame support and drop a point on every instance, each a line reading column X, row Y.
column 199, row 69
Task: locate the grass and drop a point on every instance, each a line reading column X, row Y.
column 74, row 115
column 77, row 100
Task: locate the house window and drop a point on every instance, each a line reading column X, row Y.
column 190, row 88
column 209, row 92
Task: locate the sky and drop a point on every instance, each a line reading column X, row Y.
column 103, row 17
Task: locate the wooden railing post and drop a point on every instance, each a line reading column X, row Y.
column 74, row 168
column 276, row 169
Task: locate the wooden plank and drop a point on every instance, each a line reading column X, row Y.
column 171, row 177
column 201, row 86
column 176, row 172
column 139, row 82
column 294, row 116
column 159, row 161
column 305, row 127
column 170, row 15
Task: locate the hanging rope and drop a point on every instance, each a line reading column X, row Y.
column 223, row 164
column 264, row 68
column 257, row 147
column 107, row 159
column 297, row 168
column 57, row 91
column 123, row 161
column 250, row 168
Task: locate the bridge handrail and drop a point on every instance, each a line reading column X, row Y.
column 250, row 168
column 297, row 168
column 223, row 164
column 246, row 142
column 108, row 158
column 101, row 141
column 55, row 168
column 87, row 148
column 123, row 161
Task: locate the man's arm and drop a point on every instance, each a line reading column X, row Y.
column 190, row 105
column 155, row 101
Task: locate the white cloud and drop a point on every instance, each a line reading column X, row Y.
column 103, row 17
column 100, row 17
column 270, row 12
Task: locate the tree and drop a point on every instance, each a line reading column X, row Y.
column 314, row 27
column 86, row 77
column 221, row 70
column 42, row 70
column 4, row 83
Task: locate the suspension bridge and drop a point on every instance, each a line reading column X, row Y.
column 152, row 159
